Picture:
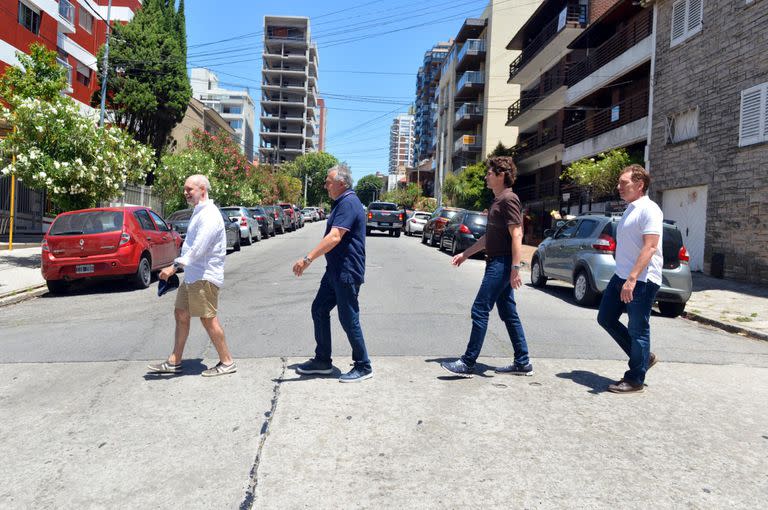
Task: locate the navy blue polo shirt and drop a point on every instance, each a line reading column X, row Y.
column 346, row 261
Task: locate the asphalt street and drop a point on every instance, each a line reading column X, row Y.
column 84, row 425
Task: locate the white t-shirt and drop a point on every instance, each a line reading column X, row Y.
column 642, row 216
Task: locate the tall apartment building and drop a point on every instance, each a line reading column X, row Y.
column 289, row 99
column 75, row 29
column 321, row 124
column 401, row 143
column 472, row 89
column 235, row 106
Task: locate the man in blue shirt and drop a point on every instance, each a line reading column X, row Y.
column 344, row 250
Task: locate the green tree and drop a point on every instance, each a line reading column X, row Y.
column 367, row 187
column 468, row 189
column 600, row 174
column 289, row 188
column 174, row 170
column 501, row 150
column 39, row 76
column 315, row 166
column 406, row 197
column 147, row 80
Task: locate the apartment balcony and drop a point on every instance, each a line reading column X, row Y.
column 276, row 58
column 550, row 44
column 626, row 50
column 468, row 143
column 290, row 100
column 471, row 55
column 538, row 103
column 283, row 70
column 282, row 134
column 539, row 149
column 620, row 125
column 268, row 118
column 68, row 72
column 292, row 37
column 294, row 88
column 66, row 16
column 470, row 85
column 468, row 116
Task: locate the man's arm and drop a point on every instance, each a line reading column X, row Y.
column 650, row 245
column 328, row 243
column 459, row 259
column 516, row 231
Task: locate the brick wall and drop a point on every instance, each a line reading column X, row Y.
column 709, row 70
column 598, row 7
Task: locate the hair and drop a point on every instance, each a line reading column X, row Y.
column 638, row 174
column 343, row 174
column 202, row 181
column 503, row 165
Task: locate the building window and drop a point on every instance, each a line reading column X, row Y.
column 236, row 124
column 683, row 126
column 237, row 110
column 687, row 16
column 753, row 124
column 86, row 20
column 83, row 74
column 29, row 18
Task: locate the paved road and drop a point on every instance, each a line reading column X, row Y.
column 84, row 426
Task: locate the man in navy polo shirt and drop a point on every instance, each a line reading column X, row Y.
column 344, row 250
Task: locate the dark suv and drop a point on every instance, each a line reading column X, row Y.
column 463, row 231
column 582, row 252
column 435, row 225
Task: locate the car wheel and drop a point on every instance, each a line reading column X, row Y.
column 258, row 235
column 143, row 276
column 668, row 309
column 236, row 247
column 397, row 233
column 423, row 238
column 367, row 231
column 57, row 286
column 431, row 239
column 246, row 240
column 582, row 290
column 537, row 274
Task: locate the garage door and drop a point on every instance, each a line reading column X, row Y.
column 688, row 208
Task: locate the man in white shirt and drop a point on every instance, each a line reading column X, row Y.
column 637, row 278
column 202, row 257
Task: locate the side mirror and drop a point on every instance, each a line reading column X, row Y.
column 560, row 223
column 233, row 220
column 548, row 232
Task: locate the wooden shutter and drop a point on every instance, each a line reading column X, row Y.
column 752, row 122
column 695, row 13
column 678, row 20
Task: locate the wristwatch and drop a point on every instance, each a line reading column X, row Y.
column 307, row 260
column 176, row 266
column 516, row 267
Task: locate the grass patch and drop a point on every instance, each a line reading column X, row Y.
column 743, row 319
column 753, row 315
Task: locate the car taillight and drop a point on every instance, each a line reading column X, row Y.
column 260, row 218
column 44, row 245
column 401, row 217
column 243, row 222
column 370, row 216
column 464, row 229
column 276, row 215
column 683, row 255
column 125, row 238
column 605, row 243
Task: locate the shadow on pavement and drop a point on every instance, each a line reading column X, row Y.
column 301, row 377
column 87, row 286
column 31, row 262
column 481, row 370
column 597, row 383
column 188, row 367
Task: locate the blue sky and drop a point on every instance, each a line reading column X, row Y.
column 366, row 76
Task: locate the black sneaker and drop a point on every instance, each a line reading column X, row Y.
column 357, row 374
column 315, row 367
column 458, row 368
column 515, row 369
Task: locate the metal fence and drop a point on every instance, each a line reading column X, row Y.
column 140, row 195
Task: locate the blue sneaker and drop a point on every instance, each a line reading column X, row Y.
column 515, row 369
column 458, row 368
column 357, row 374
column 315, row 367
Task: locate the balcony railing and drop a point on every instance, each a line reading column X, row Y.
column 470, row 78
column 551, row 80
column 537, row 142
column 638, row 29
column 67, row 11
column 474, row 45
column 575, row 14
column 68, row 70
column 468, row 109
column 468, row 143
column 629, row 110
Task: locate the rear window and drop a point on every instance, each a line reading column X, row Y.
column 91, row 222
column 379, row 206
column 671, row 242
column 448, row 214
column 476, row 219
column 258, row 210
column 422, row 216
column 180, row 215
column 232, row 210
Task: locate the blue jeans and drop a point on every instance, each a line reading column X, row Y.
column 634, row 340
column 333, row 293
column 496, row 289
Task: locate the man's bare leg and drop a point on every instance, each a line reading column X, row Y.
column 216, row 333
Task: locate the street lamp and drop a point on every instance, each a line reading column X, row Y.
column 306, row 179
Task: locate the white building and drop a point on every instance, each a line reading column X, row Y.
column 401, row 142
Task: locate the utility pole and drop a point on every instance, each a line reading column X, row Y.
column 13, row 199
column 305, row 190
column 105, row 71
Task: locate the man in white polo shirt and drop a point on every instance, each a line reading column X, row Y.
column 637, row 279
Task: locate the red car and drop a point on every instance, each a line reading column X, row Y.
column 107, row 242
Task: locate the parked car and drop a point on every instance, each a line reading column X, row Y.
column 464, row 229
column 415, row 224
column 310, row 214
column 384, row 216
column 320, row 213
column 299, row 217
column 280, row 219
column 291, row 214
column 179, row 221
column 249, row 227
column 433, row 229
column 582, row 252
column 128, row 242
column 266, row 221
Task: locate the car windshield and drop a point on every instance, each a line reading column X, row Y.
column 448, row 214
column 379, row 206
column 180, row 215
column 88, row 222
column 476, row 219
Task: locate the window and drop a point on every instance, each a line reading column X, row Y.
column 29, row 18
column 83, row 74
column 162, row 225
column 236, row 124
column 687, row 18
column 567, row 230
column 144, row 220
column 753, row 121
column 86, row 20
column 232, row 109
column 683, row 126
column 585, row 229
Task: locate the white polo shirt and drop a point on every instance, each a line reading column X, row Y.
column 642, row 216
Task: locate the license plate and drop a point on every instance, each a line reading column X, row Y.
column 84, row 268
column 385, row 224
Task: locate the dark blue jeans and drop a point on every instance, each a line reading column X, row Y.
column 634, row 340
column 333, row 293
column 496, row 290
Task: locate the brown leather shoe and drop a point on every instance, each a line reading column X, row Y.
column 625, row 387
column 651, row 361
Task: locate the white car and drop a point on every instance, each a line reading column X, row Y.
column 310, row 214
column 415, row 224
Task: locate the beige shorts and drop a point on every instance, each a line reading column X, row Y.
column 200, row 299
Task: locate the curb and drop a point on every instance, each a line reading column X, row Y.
column 23, row 295
column 725, row 326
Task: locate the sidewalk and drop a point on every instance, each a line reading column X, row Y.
column 736, row 307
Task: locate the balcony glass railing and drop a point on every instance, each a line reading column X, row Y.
column 67, row 11
column 470, row 78
column 468, row 143
column 471, row 45
column 468, row 109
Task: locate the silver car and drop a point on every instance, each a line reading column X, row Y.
column 581, row 252
column 249, row 226
column 415, row 224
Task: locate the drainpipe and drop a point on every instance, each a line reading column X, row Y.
column 650, row 90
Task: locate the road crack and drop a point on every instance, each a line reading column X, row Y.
column 253, row 477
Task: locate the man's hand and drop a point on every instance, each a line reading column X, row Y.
column 627, row 289
column 458, row 260
column 299, row 267
column 166, row 273
column 515, row 281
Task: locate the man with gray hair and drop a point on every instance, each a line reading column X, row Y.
column 202, row 257
column 344, row 248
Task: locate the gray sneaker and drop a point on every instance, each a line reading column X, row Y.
column 220, row 369
column 515, row 369
column 164, row 368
